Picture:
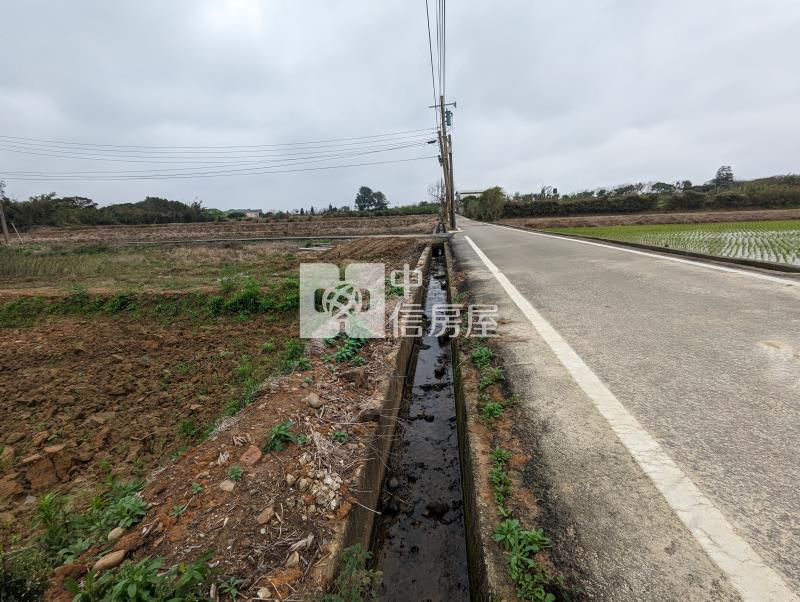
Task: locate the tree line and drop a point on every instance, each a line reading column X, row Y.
column 723, row 192
column 53, row 210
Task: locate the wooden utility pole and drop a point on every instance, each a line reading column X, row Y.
column 451, row 216
column 447, row 167
column 445, row 178
column 2, row 214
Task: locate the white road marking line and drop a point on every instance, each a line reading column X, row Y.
column 665, row 257
column 754, row 580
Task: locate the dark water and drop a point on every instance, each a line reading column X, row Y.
column 419, row 541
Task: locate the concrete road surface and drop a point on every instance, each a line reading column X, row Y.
column 662, row 410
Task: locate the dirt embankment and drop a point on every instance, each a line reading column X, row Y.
column 697, row 217
column 308, row 226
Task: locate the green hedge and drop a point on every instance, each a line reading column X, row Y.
column 689, row 200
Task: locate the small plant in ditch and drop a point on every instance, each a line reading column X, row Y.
column 235, row 472
column 348, row 351
column 293, row 357
column 339, row 437
column 230, row 587
column 178, row 510
column 491, row 409
column 491, row 376
column 354, row 583
column 279, row 436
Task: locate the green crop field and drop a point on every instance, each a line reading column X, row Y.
column 776, row 241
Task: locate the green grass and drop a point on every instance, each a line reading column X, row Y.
column 243, row 303
column 775, row 241
column 161, row 267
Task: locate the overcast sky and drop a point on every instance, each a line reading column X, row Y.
column 573, row 94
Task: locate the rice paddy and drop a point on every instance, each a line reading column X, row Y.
column 775, row 241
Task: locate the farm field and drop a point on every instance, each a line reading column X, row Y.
column 630, row 219
column 773, row 241
column 141, row 385
column 261, row 228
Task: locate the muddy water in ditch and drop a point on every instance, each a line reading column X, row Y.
column 419, row 542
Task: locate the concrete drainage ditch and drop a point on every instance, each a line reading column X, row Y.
column 419, row 540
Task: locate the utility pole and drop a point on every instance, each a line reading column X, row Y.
column 446, row 151
column 2, row 214
column 452, row 205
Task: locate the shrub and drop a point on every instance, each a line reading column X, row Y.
column 24, row 575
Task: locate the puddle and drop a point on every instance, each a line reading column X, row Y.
column 419, row 542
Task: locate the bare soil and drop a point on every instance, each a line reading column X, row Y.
column 264, row 228
column 81, row 397
column 695, row 217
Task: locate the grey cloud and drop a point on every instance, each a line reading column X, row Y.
column 576, row 94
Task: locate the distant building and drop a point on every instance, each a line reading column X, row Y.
column 253, row 214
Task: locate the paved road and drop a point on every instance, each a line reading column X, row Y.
column 704, row 362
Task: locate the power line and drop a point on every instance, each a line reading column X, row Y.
column 326, row 167
column 256, row 165
column 164, row 152
column 313, row 142
column 430, row 50
column 183, row 159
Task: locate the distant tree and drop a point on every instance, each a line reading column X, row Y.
column 662, row 188
column 686, row 185
column 364, row 198
column 311, row 211
column 302, row 211
column 379, row 200
column 367, row 200
column 436, row 192
column 724, row 177
column 488, row 206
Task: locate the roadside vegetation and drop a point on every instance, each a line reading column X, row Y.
column 355, row 582
column 521, row 546
column 774, row 241
column 68, row 526
column 722, row 192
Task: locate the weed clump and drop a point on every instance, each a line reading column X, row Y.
column 279, row 436
column 145, row 580
column 355, row 582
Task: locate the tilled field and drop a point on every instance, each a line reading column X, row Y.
column 265, row 228
column 188, row 391
column 76, row 403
